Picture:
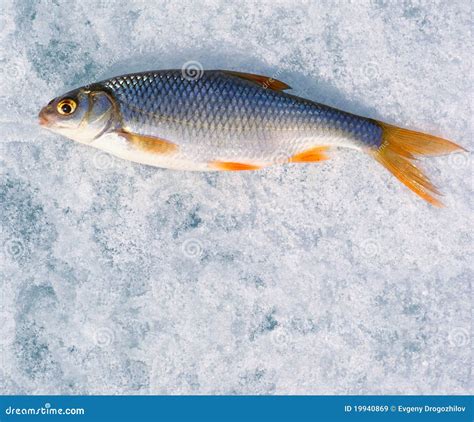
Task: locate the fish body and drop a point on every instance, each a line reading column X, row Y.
column 225, row 120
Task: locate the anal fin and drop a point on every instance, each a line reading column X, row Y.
column 310, row 155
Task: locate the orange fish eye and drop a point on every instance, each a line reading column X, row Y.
column 66, row 106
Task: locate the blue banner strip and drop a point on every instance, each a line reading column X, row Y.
column 237, row 408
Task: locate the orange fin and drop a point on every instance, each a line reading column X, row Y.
column 264, row 81
column 149, row 143
column 416, row 143
column 400, row 147
column 310, row 155
column 232, row 166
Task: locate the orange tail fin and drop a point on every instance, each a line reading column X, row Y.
column 398, row 150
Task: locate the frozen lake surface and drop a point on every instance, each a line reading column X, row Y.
column 327, row 278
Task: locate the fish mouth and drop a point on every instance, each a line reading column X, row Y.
column 43, row 119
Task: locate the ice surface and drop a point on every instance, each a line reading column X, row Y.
column 306, row 279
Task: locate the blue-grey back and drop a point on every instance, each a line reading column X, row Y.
column 217, row 101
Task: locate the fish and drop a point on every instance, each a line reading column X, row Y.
column 223, row 120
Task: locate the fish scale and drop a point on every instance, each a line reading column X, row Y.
column 225, row 120
column 232, row 114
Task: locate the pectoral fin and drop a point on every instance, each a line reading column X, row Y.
column 150, row 144
column 264, row 81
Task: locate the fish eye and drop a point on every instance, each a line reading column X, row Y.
column 66, row 106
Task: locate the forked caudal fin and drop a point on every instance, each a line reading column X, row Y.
column 398, row 151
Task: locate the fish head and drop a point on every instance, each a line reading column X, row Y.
column 82, row 115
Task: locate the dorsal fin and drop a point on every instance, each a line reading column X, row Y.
column 266, row 82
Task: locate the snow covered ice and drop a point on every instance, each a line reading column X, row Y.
column 328, row 278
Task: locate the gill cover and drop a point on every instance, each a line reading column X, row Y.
column 83, row 114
